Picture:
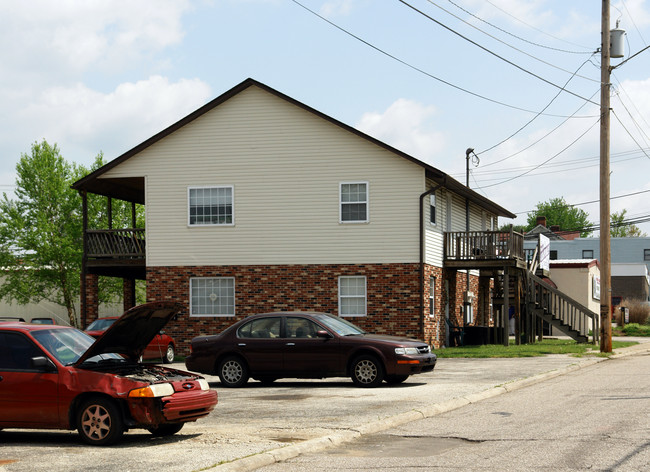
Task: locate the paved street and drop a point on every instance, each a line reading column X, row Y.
column 258, row 425
column 596, row 419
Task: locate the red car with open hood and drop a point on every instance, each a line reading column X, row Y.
column 57, row 377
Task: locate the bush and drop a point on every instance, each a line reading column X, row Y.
column 639, row 311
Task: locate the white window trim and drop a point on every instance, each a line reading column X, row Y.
column 432, row 296
column 367, row 202
column 234, row 304
column 203, row 225
column 365, row 295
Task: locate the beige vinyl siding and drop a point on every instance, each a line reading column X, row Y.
column 285, row 165
column 434, row 250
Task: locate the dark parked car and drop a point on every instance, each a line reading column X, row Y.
column 162, row 346
column 57, row 377
column 270, row 346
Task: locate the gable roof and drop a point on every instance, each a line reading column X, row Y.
column 132, row 189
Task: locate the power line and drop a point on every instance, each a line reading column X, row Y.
column 533, row 27
column 514, row 35
column 538, row 115
column 421, row 71
column 546, row 161
column 510, row 45
column 494, row 54
column 571, row 205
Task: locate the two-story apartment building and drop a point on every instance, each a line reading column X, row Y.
column 256, row 202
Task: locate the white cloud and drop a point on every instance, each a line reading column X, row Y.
column 116, row 121
column 335, row 8
column 64, row 37
column 403, row 126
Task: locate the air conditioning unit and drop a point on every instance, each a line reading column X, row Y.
column 469, row 297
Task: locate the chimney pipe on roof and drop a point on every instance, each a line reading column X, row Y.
column 541, row 220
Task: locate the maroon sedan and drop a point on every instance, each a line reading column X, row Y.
column 57, row 377
column 162, row 346
column 306, row 345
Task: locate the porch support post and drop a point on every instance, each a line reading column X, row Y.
column 506, row 306
column 129, row 293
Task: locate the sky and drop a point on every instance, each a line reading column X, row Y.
column 518, row 81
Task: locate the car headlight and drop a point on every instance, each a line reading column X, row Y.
column 204, row 384
column 153, row 391
column 408, row 351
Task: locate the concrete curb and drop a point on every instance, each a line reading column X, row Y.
column 319, row 444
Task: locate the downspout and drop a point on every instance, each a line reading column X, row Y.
column 422, row 240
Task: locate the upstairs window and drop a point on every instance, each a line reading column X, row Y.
column 587, row 254
column 646, row 254
column 210, row 206
column 354, row 202
column 432, row 209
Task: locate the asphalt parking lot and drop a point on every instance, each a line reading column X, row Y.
column 257, row 425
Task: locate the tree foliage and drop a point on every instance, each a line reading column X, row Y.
column 559, row 212
column 41, row 231
column 619, row 229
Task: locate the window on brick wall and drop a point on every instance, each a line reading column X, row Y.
column 210, row 206
column 352, row 296
column 432, row 296
column 354, row 202
column 212, row 296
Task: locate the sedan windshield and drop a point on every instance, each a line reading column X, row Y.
column 100, row 324
column 339, row 325
column 66, row 345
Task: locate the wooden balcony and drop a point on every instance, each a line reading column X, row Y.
column 116, row 252
column 484, row 249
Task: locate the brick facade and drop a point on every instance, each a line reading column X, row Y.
column 393, row 296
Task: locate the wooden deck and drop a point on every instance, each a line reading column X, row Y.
column 484, row 249
column 116, row 252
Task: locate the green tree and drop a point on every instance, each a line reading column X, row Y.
column 41, row 243
column 619, row 229
column 559, row 212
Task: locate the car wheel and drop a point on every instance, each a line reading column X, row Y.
column 99, row 422
column 396, row 379
column 169, row 355
column 166, row 429
column 233, row 372
column 367, row 371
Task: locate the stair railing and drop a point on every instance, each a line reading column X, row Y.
column 563, row 308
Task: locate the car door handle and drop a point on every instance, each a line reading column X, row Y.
column 241, row 344
column 291, row 344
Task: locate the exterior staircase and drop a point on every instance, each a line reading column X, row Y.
column 560, row 311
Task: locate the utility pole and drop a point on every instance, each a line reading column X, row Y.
column 605, row 247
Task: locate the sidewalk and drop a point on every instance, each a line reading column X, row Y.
column 312, row 416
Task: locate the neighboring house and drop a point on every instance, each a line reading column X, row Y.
column 627, row 282
column 579, row 279
column 630, row 281
column 256, row 203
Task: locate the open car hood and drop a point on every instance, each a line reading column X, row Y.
column 133, row 331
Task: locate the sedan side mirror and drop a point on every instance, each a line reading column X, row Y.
column 323, row 334
column 43, row 364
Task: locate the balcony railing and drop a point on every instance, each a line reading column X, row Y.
column 483, row 245
column 115, row 243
